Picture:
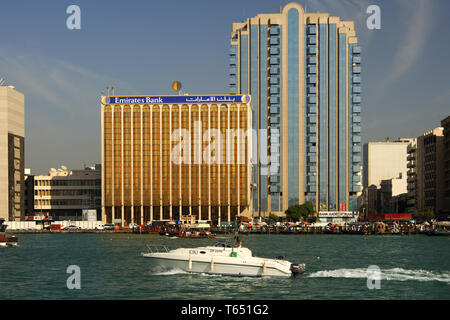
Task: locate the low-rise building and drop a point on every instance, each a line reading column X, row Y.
column 64, row 194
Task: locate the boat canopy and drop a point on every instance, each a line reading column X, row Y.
column 221, row 245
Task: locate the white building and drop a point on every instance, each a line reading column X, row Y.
column 386, row 160
column 64, row 194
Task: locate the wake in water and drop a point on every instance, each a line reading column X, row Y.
column 157, row 271
column 395, row 274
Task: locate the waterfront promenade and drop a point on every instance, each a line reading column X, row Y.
column 354, row 228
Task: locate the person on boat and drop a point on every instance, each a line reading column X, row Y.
column 238, row 242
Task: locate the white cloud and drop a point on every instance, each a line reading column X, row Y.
column 413, row 41
column 61, row 85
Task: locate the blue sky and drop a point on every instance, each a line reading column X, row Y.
column 141, row 46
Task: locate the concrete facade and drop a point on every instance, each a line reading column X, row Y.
column 12, row 135
column 64, row 194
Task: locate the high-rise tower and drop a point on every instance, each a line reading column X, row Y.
column 303, row 73
column 12, row 144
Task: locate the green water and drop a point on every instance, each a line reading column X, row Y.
column 413, row 267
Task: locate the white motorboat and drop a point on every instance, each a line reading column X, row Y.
column 222, row 259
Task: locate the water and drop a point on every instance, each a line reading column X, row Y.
column 413, row 267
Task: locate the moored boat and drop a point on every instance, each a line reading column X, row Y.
column 5, row 240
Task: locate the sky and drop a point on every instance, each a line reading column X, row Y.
column 142, row 46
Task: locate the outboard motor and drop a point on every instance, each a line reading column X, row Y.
column 297, row 268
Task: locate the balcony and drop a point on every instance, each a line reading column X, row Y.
column 356, row 59
column 311, row 70
column 312, row 39
column 411, row 164
column 274, row 90
column 274, row 50
column 312, row 60
column 357, row 70
column 312, row 29
column 356, row 98
column 274, row 70
column 274, row 80
column 312, row 99
column 312, row 90
column 274, row 109
column 312, row 119
column 356, row 79
column 311, row 50
column 274, row 40
column 274, row 100
column 274, row 30
column 356, row 49
column 311, row 80
column 274, row 60
column 411, row 148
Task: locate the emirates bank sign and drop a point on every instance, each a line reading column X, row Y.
column 180, row 99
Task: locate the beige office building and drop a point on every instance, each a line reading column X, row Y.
column 168, row 156
column 12, row 133
column 64, row 194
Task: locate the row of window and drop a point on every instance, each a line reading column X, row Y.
column 73, row 183
column 274, row 98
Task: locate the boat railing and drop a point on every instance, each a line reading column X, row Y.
column 157, row 248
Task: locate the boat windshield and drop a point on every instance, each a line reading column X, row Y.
column 221, row 245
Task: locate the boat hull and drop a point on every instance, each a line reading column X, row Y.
column 8, row 244
column 219, row 266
